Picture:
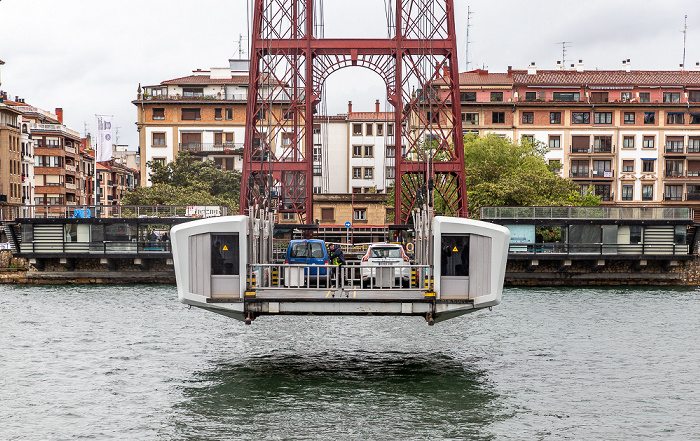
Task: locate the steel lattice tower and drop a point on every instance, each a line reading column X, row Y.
column 289, row 66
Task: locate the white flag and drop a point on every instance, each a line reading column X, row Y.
column 103, row 149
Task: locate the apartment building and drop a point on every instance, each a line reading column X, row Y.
column 204, row 114
column 10, row 155
column 631, row 136
column 371, row 151
column 113, row 181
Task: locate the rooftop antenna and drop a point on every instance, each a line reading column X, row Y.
column 241, row 50
column 469, row 15
column 685, row 34
column 563, row 52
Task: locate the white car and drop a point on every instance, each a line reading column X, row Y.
column 388, row 255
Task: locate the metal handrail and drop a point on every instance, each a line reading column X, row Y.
column 598, row 248
column 631, row 213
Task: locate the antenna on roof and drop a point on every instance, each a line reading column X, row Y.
column 563, row 52
column 685, row 34
column 241, row 50
column 469, row 15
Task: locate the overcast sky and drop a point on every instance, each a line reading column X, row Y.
column 89, row 56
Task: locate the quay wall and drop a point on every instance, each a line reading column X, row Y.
column 518, row 272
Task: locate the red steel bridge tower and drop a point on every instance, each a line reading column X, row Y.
column 289, row 66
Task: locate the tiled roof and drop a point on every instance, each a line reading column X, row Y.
column 371, row 116
column 608, row 77
column 204, row 79
column 484, row 78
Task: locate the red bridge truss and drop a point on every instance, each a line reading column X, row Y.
column 289, row 66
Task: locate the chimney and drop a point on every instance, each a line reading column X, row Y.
column 697, row 66
column 532, row 69
column 376, row 106
column 510, row 71
column 579, row 66
column 680, row 66
column 59, row 114
column 349, row 107
column 559, row 65
column 626, row 65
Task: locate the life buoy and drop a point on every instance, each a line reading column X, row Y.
column 409, row 247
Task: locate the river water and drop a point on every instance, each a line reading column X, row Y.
column 115, row 362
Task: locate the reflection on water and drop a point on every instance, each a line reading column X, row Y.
column 348, row 395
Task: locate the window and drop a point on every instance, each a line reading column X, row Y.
column 229, row 163
column 602, row 144
column 158, row 114
column 261, row 114
column 191, row 140
column 317, row 169
column 579, row 169
column 229, row 139
column 217, row 114
column 498, row 117
column 602, row 117
column 360, row 214
column 528, row 138
column 380, row 129
column 528, row 117
column 327, row 214
column 694, row 96
column 357, row 151
column 579, row 144
column 229, row 114
column 369, row 172
column 628, row 142
column 672, row 97
column 390, row 129
column 357, row 190
column 603, row 191
column 368, row 130
column 626, row 96
column 158, row 140
column 191, row 115
column 530, row 96
column 599, row 97
column 218, row 138
column 648, row 165
column 648, row 142
column 693, row 193
column 649, row 117
column 628, row 118
column 357, row 172
column 566, row 96
column 675, row 118
column 496, row 96
column 189, row 92
column 369, row 151
column 627, row 192
column 674, row 144
column 602, row 168
column 317, row 190
column 555, row 165
column 580, row 118
column 470, row 119
column 694, row 118
column 160, row 161
column 390, row 151
column 555, row 117
column 432, row 117
column 554, row 142
column 390, row 173
column 673, row 193
column 694, row 145
column 628, row 166
column 357, row 129
column 644, row 97
column 647, row 192
column 467, row 97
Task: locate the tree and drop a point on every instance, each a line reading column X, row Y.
column 500, row 172
column 187, row 181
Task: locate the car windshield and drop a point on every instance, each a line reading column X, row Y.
column 384, row 252
column 299, row 249
column 316, row 250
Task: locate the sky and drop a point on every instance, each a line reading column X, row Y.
column 89, row 56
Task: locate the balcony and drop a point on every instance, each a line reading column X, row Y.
column 70, row 150
column 579, row 174
column 580, row 149
column 677, row 149
column 70, row 186
column 178, row 97
column 604, row 149
column 70, row 168
column 200, row 147
column 674, row 174
column 603, row 174
column 693, row 149
column 53, row 128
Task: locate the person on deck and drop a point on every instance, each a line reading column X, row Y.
column 337, row 258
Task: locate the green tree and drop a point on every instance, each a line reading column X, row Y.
column 500, row 172
column 187, row 181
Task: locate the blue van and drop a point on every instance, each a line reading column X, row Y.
column 308, row 252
